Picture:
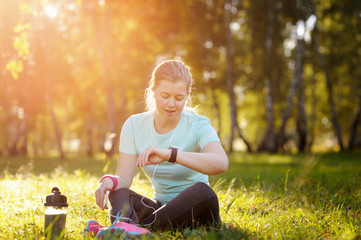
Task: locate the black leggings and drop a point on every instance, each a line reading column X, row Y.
column 196, row 206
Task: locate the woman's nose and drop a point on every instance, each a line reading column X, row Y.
column 171, row 102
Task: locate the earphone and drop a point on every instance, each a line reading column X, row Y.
column 151, row 180
column 142, row 201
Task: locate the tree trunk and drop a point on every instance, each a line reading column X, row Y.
column 229, row 73
column 295, row 82
column 56, row 127
column 302, row 116
column 23, row 133
column 111, row 120
column 14, row 131
column 8, row 116
column 104, row 34
column 268, row 143
column 217, row 111
column 229, row 80
column 23, row 148
column 354, row 126
column 89, row 130
column 25, row 125
column 329, row 85
column 313, row 108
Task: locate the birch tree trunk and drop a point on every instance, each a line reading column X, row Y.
column 268, row 143
column 313, row 108
column 295, row 82
column 301, row 116
column 354, row 127
column 229, row 80
column 329, row 85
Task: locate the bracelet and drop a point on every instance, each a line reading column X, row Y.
column 114, row 180
column 173, row 154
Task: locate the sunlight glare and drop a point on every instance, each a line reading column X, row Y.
column 51, row 11
column 235, row 26
column 300, row 29
column 101, row 2
column 310, row 23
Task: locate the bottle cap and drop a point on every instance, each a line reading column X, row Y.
column 56, row 199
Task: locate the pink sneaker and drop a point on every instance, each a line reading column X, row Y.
column 93, row 228
column 128, row 230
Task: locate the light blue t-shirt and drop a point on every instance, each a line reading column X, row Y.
column 192, row 133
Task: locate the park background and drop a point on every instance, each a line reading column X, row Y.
column 280, row 80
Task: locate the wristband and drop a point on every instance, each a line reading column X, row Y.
column 173, row 154
column 114, row 180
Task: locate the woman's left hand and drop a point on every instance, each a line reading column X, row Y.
column 153, row 155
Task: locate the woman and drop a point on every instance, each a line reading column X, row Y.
column 177, row 149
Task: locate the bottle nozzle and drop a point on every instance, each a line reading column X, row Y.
column 55, row 190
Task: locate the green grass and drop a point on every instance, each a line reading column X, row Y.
column 261, row 196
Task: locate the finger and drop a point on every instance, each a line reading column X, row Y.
column 99, row 198
column 139, row 160
column 146, row 157
column 100, row 193
column 142, row 158
column 105, row 202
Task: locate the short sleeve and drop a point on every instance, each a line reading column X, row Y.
column 127, row 138
column 206, row 132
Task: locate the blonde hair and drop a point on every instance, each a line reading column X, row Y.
column 171, row 70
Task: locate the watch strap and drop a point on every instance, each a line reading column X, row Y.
column 173, row 154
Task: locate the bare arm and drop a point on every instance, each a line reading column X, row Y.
column 125, row 172
column 213, row 160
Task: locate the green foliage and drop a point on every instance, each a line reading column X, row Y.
column 261, row 197
column 92, row 61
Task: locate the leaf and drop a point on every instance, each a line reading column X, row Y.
column 15, row 67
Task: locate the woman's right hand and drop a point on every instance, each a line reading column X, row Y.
column 125, row 172
column 105, row 185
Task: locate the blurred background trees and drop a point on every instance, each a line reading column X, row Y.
column 272, row 75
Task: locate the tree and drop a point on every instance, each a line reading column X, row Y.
column 229, row 80
column 268, row 143
column 354, row 127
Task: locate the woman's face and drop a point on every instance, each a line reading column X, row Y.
column 170, row 98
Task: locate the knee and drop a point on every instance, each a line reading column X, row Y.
column 204, row 189
column 119, row 194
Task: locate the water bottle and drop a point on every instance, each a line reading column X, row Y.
column 55, row 215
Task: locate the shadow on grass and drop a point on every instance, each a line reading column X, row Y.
column 281, row 169
column 96, row 166
column 225, row 231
